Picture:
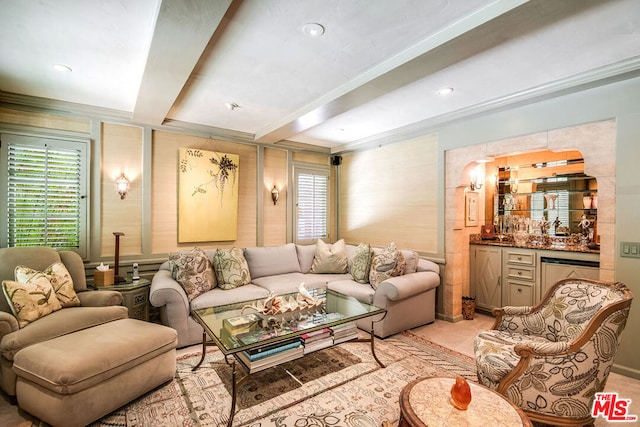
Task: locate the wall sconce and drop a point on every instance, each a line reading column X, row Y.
column 275, row 195
column 477, row 179
column 122, row 184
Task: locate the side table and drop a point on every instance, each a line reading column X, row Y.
column 135, row 296
column 427, row 402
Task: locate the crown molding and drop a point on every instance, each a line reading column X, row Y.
column 60, row 108
column 601, row 76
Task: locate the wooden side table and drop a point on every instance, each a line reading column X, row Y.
column 427, row 402
column 135, row 296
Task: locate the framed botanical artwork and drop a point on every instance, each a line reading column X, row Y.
column 207, row 196
column 471, row 209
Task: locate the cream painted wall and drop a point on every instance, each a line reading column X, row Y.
column 164, row 217
column 121, row 152
column 389, row 194
column 274, row 217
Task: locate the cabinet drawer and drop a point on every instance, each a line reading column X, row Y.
column 521, row 258
column 521, row 273
column 520, row 294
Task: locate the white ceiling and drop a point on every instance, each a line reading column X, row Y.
column 374, row 72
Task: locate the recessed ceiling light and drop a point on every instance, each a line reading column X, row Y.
column 62, row 67
column 445, row 91
column 313, row 29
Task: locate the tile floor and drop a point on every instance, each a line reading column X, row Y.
column 456, row 336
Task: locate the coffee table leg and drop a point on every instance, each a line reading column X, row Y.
column 204, row 351
column 373, row 348
column 234, row 391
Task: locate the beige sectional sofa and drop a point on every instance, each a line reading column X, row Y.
column 408, row 298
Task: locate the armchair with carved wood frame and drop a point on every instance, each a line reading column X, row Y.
column 552, row 358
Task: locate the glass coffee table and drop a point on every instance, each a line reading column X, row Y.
column 240, row 332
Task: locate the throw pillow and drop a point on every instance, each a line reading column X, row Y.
column 412, row 258
column 388, row 263
column 330, row 258
column 361, row 263
column 193, row 271
column 59, row 278
column 231, row 268
column 30, row 301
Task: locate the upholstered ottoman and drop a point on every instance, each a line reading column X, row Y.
column 75, row 379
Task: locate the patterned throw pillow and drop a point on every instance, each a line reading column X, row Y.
column 193, row 271
column 231, row 268
column 59, row 278
column 330, row 258
column 30, row 301
column 388, row 263
column 361, row 263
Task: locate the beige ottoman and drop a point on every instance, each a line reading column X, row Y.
column 78, row 378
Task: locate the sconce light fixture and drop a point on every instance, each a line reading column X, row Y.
column 122, row 184
column 275, row 194
column 476, row 180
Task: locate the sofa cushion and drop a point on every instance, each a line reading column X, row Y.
column 388, row 262
column 30, row 301
column 360, row 263
column 306, row 253
column 193, row 271
column 353, row 289
column 231, row 268
column 60, row 323
column 282, row 283
column 269, row 261
column 330, row 258
column 59, row 278
column 217, row 296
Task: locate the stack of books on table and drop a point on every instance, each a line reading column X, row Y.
column 271, row 355
column 344, row 332
column 240, row 324
column 317, row 340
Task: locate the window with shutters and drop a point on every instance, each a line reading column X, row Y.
column 312, row 195
column 45, row 196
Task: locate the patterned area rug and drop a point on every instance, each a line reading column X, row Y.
column 341, row 386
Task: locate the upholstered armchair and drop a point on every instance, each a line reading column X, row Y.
column 551, row 359
column 94, row 308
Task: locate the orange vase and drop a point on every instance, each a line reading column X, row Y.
column 461, row 394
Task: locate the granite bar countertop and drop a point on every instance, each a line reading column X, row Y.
column 536, row 241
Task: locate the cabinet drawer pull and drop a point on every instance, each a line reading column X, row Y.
column 519, row 290
column 519, row 273
column 519, row 258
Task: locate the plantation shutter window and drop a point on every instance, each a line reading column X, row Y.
column 45, row 193
column 312, row 199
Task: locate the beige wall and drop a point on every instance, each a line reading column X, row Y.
column 121, row 152
column 164, row 220
column 151, row 203
column 275, row 173
column 389, row 194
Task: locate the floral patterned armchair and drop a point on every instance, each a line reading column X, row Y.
column 551, row 359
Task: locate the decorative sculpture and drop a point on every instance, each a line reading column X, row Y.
column 279, row 304
column 461, row 393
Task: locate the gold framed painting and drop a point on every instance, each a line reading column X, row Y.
column 207, row 196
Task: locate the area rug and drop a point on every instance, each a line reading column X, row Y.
column 338, row 386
